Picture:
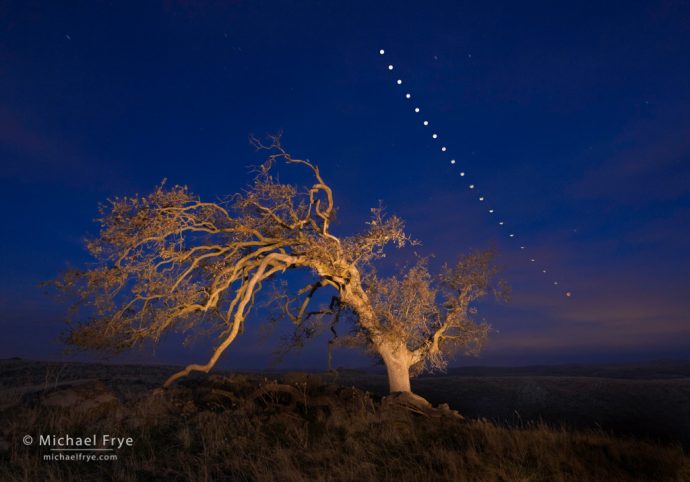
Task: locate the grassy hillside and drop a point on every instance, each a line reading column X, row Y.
column 300, row 427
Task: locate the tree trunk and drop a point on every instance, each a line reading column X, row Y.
column 398, row 376
column 396, row 356
column 398, row 366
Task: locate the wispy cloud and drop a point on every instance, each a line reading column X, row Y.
column 33, row 155
column 649, row 161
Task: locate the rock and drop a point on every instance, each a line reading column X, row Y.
column 445, row 410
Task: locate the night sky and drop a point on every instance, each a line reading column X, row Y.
column 572, row 119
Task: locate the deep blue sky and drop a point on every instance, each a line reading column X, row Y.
column 573, row 119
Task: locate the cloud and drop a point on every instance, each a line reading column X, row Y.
column 613, row 312
column 17, row 137
column 649, row 161
column 33, row 156
column 673, row 229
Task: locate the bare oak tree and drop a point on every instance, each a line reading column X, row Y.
column 169, row 261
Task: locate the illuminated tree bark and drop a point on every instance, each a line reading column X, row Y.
column 171, row 262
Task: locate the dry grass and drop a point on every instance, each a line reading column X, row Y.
column 226, row 428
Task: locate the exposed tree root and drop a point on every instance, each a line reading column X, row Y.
column 419, row 405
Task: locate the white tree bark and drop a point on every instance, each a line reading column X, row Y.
column 398, row 361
